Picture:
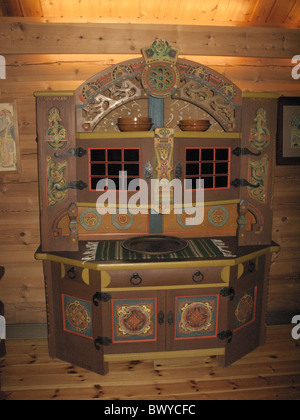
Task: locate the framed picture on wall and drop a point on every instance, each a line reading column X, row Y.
column 288, row 131
column 9, row 138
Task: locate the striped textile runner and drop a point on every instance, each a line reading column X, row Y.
column 197, row 248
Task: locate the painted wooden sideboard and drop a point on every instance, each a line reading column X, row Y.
column 106, row 303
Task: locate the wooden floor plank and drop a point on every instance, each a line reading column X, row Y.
column 270, row 372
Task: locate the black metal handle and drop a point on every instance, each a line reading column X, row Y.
column 72, row 273
column 251, row 267
column 74, row 185
column 198, row 277
column 170, row 318
column 136, row 279
column 161, row 318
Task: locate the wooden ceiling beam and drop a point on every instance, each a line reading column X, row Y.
column 31, row 8
column 11, row 8
column 25, row 37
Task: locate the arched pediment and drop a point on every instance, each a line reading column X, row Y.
column 158, row 74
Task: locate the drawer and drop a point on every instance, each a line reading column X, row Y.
column 76, row 274
column 165, row 277
column 251, row 269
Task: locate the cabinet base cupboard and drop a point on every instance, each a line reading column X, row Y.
column 106, row 311
column 107, row 302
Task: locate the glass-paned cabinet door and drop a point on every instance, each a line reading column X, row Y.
column 214, row 162
column 105, row 159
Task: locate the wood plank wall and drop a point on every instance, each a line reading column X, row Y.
column 22, row 288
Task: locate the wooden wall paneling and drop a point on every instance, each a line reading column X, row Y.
column 44, row 72
column 25, row 38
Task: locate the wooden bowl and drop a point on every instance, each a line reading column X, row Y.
column 134, row 123
column 194, row 125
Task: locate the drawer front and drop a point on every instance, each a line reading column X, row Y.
column 252, row 269
column 166, row 277
column 76, row 274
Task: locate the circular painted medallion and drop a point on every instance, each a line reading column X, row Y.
column 244, row 309
column 90, row 219
column 122, row 221
column 196, row 316
column 160, row 79
column 134, row 320
column 218, row 216
column 78, row 316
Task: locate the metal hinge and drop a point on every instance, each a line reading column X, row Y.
column 102, row 297
column 102, row 341
column 225, row 335
column 72, row 153
column 228, row 291
column 239, row 151
column 243, row 183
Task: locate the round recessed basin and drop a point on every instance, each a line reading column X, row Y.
column 155, row 244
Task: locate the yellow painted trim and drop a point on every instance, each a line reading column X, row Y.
column 156, row 265
column 164, row 355
column 240, row 270
column 48, row 93
column 105, row 279
column 225, row 274
column 208, row 135
column 115, row 135
column 63, row 271
column 86, row 276
column 206, row 204
column 150, row 134
column 174, row 287
column 266, row 95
